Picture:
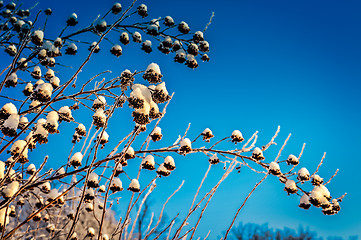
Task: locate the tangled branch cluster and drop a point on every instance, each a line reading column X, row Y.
column 33, row 206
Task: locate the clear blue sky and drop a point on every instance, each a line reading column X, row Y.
column 289, row 63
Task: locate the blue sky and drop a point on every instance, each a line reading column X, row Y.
column 290, row 63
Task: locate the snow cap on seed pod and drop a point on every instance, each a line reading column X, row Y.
column 156, row 134
column 169, row 163
column 129, row 153
column 137, row 37
column 116, row 8
column 142, row 10
column 292, row 160
column 152, row 73
column 274, row 168
column 10, row 125
column 99, row 102
column 191, row 61
column 75, row 160
column 303, row 175
column 71, row 49
column 12, row 80
column 72, row 20
column 31, row 169
column 93, row 180
column 101, row 25
column 116, row 50
column 305, row 202
column 162, row 170
column 257, row 154
column 290, row 187
column 183, row 27
column 207, row 134
column 237, row 136
column 317, row 180
column 147, row 46
column 116, row 185
column 134, row 185
column 148, row 162
column 124, row 38
column 185, row 146
column 213, row 159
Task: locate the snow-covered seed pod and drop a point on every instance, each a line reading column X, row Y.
column 49, row 74
column 12, row 211
column 325, row 203
column 58, row 42
column 124, row 38
column 42, row 54
column 45, row 187
column 28, row 90
column 42, row 92
column 37, row 217
column 89, row 207
column 12, row 80
column 18, row 25
column 52, row 122
column 118, row 170
column 90, row 232
column 22, row 64
column 50, row 227
column 204, row 46
column 305, row 202
column 116, row 50
column 154, row 111
column 126, row 77
column 316, row 197
column 116, row 185
column 93, row 181
column 75, row 160
column 183, row 27
column 101, row 25
column 55, row 82
column 198, row 36
column 51, row 62
column 137, row 37
column 257, row 154
column 89, row 195
column 213, row 159
column 65, row 114
column 95, row 47
column 71, row 49
column 329, row 211
column 324, row 191
column 104, row 139
column 160, row 93
column 316, row 180
column 102, row 189
column 116, row 8
column 129, row 154
column 180, row 56
column 167, row 42
column 191, row 61
column 274, row 168
column 292, row 160
column 41, row 134
column 10, row 190
column 99, row 102
column 37, row 37
column 136, row 99
column 31, row 169
column 30, row 140
column 20, row 150
column 48, row 11
column 7, row 110
column 105, row 237
column 303, row 175
column 142, row 10
column 36, row 73
column 141, row 116
column 11, row 6
column 177, row 46
column 10, row 125
column 52, row 195
column 147, row 46
column 192, row 49
column 290, row 187
column 205, row 58
column 148, row 162
column 74, row 236
column 163, row 49
column 169, row 163
column 156, row 134
column 207, row 134
column 152, row 73
column 335, row 205
column 72, row 20
column 163, row 171
column 11, row 50
column 134, row 185
column 168, row 21
column 81, row 130
column 185, row 146
column 59, row 172
column 142, row 128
